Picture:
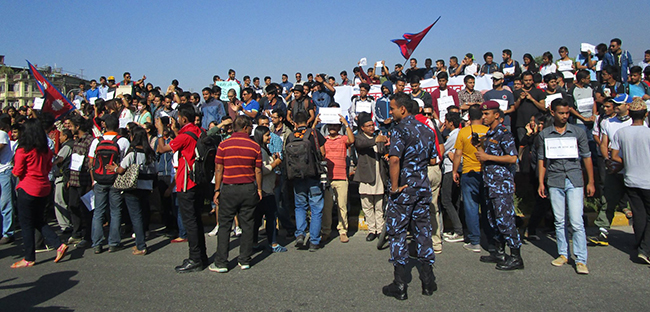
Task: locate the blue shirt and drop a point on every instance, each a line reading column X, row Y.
column 275, row 144
column 92, row 94
column 499, row 178
column 103, row 92
column 253, row 106
column 212, row 111
column 583, row 61
column 286, row 87
column 322, row 98
column 382, row 109
column 414, row 143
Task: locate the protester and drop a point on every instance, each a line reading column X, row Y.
column 6, row 182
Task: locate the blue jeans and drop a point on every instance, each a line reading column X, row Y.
column 571, row 197
column 134, row 201
column 181, row 229
column 471, row 186
column 106, row 197
column 309, row 195
column 7, row 203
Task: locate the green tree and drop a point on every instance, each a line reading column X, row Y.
column 6, row 70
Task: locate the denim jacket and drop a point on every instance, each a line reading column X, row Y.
column 626, row 63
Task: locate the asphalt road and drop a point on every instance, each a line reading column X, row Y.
column 339, row 277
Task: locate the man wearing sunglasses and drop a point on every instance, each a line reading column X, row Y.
column 621, row 59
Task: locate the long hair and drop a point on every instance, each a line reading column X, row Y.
column 32, row 136
column 258, row 137
column 139, row 138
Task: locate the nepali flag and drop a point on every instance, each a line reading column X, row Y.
column 411, row 41
column 55, row 102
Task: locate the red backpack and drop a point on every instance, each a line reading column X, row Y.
column 107, row 151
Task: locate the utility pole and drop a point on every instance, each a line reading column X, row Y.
column 82, row 73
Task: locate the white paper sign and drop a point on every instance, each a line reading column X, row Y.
column 174, row 105
column 561, row 148
column 509, row 70
column 330, row 115
column 89, row 200
column 124, row 90
column 378, row 65
column 443, row 103
column 92, row 100
column 503, row 104
column 77, row 103
column 76, row 162
column 363, row 62
column 585, row 105
column 586, row 47
column 551, row 98
column 599, row 65
column 364, row 107
column 564, row 66
column 38, row 103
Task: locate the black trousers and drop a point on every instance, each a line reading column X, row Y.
column 640, row 202
column 31, row 217
column 166, row 214
column 191, row 204
column 82, row 218
column 241, row 200
column 450, row 200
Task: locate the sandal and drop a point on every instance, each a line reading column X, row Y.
column 22, row 264
column 60, row 252
column 628, row 213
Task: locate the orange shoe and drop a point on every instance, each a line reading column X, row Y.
column 60, row 252
column 22, row 264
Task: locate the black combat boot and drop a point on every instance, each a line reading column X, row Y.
column 428, row 279
column 513, row 262
column 496, row 256
column 398, row 287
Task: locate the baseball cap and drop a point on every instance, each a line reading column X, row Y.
column 622, row 99
column 111, row 78
column 489, row 105
column 497, row 75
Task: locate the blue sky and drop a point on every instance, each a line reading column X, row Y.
column 193, row 40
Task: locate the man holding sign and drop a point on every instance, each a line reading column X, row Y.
column 561, row 148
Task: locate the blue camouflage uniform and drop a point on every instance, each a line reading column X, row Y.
column 499, row 183
column 414, row 144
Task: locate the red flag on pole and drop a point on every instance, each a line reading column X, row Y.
column 55, row 102
column 411, row 41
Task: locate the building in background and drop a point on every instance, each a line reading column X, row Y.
column 18, row 87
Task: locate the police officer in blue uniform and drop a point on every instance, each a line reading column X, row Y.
column 412, row 149
column 498, row 153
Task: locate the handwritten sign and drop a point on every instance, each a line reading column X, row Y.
column 503, row 104
column 38, row 103
column 76, row 162
column 561, row 148
column 364, row 107
column 585, row 105
column 123, row 90
column 225, row 87
column 109, row 96
column 509, row 70
column 444, row 103
column 330, row 115
column 551, row 98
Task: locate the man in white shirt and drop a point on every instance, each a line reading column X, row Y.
column 6, row 182
column 449, row 190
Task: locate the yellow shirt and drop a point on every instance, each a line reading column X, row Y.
column 464, row 143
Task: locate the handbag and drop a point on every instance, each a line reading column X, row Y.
column 128, row 180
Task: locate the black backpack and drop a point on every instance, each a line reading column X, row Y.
column 205, row 151
column 301, row 156
column 107, row 152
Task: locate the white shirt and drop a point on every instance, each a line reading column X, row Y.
column 122, row 142
column 7, row 153
column 633, row 144
column 141, row 158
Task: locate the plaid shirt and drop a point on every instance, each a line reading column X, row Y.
column 82, row 177
column 465, row 97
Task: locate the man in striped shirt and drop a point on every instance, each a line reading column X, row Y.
column 239, row 168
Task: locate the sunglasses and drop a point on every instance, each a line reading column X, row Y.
column 428, row 114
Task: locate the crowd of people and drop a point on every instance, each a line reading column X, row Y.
column 567, row 129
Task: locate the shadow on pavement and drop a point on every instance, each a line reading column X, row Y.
column 45, row 288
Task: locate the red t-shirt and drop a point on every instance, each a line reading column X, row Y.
column 185, row 145
column 336, row 150
column 32, row 169
column 239, row 156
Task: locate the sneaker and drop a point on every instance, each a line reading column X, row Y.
column 6, row 240
column 44, row 249
column 278, row 248
column 244, row 266
column 214, row 231
column 454, row 238
column 344, row 237
column 643, row 257
column 581, row 268
column 560, row 261
column 237, row 231
column 214, row 268
column 472, row 247
column 82, row 244
column 600, row 240
column 300, row 241
column 313, row 247
column 74, row 240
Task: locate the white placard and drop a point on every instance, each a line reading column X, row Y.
column 585, row 105
column 92, row 100
column 443, row 103
column 76, row 162
column 38, row 103
column 123, row 90
column 364, row 107
column 110, row 95
column 509, row 70
column 378, row 65
column 89, row 200
column 77, row 103
column 503, row 104
column 599, row 65
column 551, row 98
column 586, row 47
column 561, row 148
column 564, row 66
column 363, row 62
column 330, row 115
column 174, row 105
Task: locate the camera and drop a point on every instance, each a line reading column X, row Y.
column 323, row 175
